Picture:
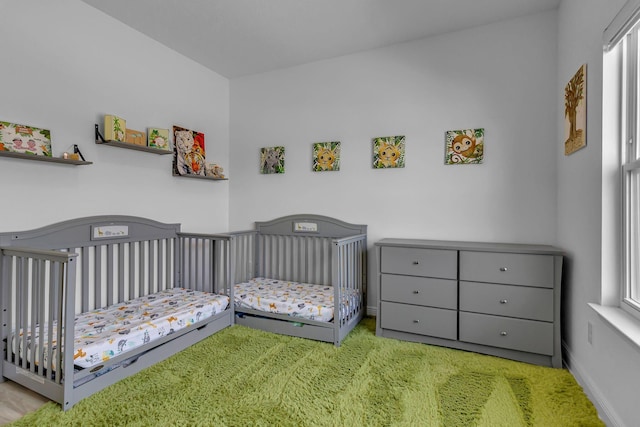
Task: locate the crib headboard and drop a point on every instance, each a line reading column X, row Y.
column 90, row 231
column 302, row 248
column 310, row 225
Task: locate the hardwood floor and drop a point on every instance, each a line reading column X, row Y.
column 16, row 401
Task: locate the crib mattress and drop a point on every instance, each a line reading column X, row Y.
column 108, row 332
column 303, row 300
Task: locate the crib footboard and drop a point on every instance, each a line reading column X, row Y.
column 349, row 278
column 205, row 263
column 38, row 301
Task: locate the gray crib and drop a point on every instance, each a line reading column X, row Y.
column 49, row 275
column 311, row 249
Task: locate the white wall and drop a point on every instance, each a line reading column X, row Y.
column 500, row 77
column 65, row 65
column 587, row 227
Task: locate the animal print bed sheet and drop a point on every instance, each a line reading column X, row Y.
column 108, row 332
column 303, row 300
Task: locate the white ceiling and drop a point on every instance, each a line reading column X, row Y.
column 241, row 37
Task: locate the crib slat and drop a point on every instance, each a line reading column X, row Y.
column 162, row 265
column 24, row 302
column 66, row 364
column 85, row 299
column 212, row 273
column 53, row 303
column 200, row 265
column 16, row 307
column 290, row 262
column 142, row 255
column 116, row 250
column 30, row 351
column 186, row 275
column 274, row 257
column 130, row 263
column 301, row 256
column 42, row 298
column 6, row 268
column 111, row 297
column 259, row 256
column 212, row 253
column 99, row 286
column 197, row 257
column 60, row 316
column 168, row 257
column 155, row 263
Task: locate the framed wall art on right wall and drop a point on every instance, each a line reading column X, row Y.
column 575, row 112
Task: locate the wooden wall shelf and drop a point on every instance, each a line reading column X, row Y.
column 210, row 178
column 43, row 158
column 133, row 147
column 101, row 141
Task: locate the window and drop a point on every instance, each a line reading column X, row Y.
column 621, row 41
column 630, row 158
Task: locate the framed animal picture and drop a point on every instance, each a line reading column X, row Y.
column 326, row 156
column 388, row 152
column 272, row 160
column 464, row 146
column 189, row 152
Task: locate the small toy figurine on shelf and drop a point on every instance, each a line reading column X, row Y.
column 214, row 170
column 75, row 155
column 70, row 156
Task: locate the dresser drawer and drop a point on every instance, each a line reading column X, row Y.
column 507, row 300
column 516, row 269
column 441, row 293
column 435, row 322
column 419, row 262
column 505, row 332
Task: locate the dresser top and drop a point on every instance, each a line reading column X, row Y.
column 472, row 246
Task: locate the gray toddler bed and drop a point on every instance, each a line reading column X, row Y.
column 301, row 275
column 122, row 292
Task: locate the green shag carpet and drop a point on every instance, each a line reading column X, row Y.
column 245, row 377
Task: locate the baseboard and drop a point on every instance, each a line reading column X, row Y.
column 606, row 414
column 372, row 311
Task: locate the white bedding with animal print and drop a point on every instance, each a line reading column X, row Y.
column 303, row 300
column 108, row 332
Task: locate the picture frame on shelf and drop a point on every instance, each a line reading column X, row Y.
column 25, row 139
column 136, row 137
column 115, row 128
column 158, row 138
column 189, row 152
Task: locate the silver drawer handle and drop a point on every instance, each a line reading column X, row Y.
column 503, row 333
column 416, row 292
column 503, row 268
column 503, row 301
column 416, row 262
column 416, row 321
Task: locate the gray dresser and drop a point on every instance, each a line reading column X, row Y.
column 492, row 298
